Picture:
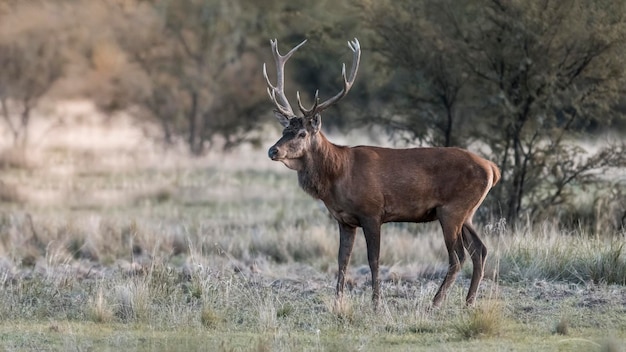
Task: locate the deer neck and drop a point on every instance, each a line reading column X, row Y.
column 322, row 165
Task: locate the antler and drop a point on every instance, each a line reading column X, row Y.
column 347, row 83
column 277, row 93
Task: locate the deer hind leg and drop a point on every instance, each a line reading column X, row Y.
column 347, row 235
column 478, row 252
column 456, row 253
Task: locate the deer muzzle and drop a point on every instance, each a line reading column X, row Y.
column 273, row 153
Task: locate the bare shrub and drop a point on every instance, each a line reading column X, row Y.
column 11, row 194
column 15, row 158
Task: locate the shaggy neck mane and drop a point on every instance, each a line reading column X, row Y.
column 323, row 164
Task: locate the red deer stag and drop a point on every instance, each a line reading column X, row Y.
column 367, row 186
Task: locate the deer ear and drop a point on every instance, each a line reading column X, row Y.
column 316, row 122
column 284, row 120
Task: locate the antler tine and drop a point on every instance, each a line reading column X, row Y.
column 271, row 91
column 277, row 93
column 316, row 101
column 285, row 110
column 347, row 81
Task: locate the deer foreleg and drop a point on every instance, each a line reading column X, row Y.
column 346, row 242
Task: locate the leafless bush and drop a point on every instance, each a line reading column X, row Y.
column 15, row 158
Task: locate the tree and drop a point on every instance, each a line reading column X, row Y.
column 424, row 72
column 32, row 58
column 202, row 60
column 559, row 72
column 196, row 58
column 532, row 78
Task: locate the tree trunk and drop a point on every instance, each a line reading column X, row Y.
column 195, row 130
column 448, row 129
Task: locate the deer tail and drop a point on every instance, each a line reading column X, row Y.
column 495, row 174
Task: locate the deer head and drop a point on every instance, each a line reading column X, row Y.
column 301, row 132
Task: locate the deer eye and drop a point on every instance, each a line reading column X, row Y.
column 302, row 134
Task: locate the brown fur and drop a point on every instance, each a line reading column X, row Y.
column 317, row 178
column 367, row 186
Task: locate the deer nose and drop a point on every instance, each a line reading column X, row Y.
column 273, row 152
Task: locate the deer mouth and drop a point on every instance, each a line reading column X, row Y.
column 293, row 164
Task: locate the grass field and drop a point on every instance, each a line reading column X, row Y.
column 151, row 251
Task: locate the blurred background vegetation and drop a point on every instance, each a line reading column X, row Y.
column 535, row 86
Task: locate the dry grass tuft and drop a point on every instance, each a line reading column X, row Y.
column 562, row 327
column 284, row 310
column 124, row 304
column 268, row 321
column 209, row 318
column 99, row 310
column 263, row 345
column 133, row 301
column 342, row 308
column 484, row 320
